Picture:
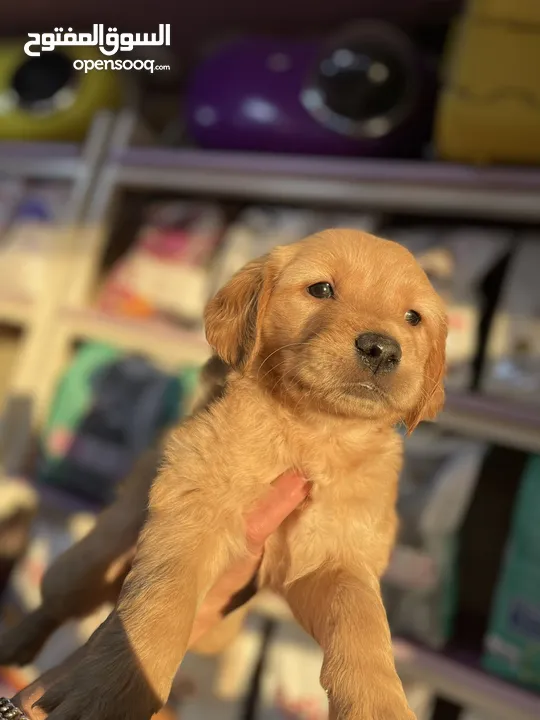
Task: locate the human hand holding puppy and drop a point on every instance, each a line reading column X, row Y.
column 284, row 496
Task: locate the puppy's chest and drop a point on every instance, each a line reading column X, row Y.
column 349, row 513
column 330, row 460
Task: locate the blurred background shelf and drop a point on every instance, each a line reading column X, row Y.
column 171, row 346
column 51, row 161
column 465, row 684
column 497, row 420
column 454, row 678
column 15, row 310
column 429, row 188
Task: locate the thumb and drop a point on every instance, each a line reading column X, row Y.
column 283, row 497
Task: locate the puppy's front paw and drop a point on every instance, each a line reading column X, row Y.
column 101, row 688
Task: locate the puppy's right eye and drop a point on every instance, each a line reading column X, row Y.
column 321, row 290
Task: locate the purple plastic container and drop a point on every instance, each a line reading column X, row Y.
column 366, row 92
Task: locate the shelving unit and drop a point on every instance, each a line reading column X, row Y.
column 465, row 684
column 15, row 310
column 381, row 185
column 497, row 420
column 42, row 161
column 168, row 346
column 77, row 165
column 106, row 164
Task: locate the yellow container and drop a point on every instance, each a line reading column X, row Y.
column 516, row 11
column 489, row 108
column 67, row 119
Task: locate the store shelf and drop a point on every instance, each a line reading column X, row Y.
column 429, row 188
column 169, row 346
column 51, row 161
column 15, row 310
column 451, row 678
column 465, row 684
column 496, row 420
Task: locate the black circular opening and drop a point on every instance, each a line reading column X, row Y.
column 39, row 79
column 363, row 80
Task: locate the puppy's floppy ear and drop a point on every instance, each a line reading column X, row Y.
column 232, row 318
column 432, row 399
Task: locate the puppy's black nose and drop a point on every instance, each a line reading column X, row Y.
column 379, row 352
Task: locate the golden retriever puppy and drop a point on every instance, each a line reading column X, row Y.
column 333, row 341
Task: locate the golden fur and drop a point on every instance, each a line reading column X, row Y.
column 297, row 397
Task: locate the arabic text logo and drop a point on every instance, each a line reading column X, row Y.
column 109, row 43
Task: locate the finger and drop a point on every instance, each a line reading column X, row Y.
column 283, row 497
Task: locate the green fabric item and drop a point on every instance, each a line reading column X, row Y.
column 513, row 638
column 88, row 448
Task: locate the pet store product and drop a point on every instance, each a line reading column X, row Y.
column 456, row 259
column 11, row 192
column 108, row 408
column 512, row 365
column 436, row 485
column 30, row 237
column 512, row 644
column 367, row 90
column 165, row 274
column 489, row 107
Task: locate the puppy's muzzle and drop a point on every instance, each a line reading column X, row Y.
column 379, row 353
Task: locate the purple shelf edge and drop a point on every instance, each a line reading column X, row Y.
column 39, row 151
column 495, row 408
column 348, row 169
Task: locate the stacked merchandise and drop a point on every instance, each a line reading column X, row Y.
column 30, row 215
column 165, row 273
column 512, row 367
column 437, row 483
column 512, row 645
column 107, row 410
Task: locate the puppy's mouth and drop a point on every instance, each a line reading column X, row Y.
column 367, row 390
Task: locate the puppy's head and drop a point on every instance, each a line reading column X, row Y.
column 342, row 322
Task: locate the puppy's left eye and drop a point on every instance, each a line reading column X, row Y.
column 321, row 290
column 413, row 317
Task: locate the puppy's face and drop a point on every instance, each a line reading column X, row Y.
column 342, row 322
